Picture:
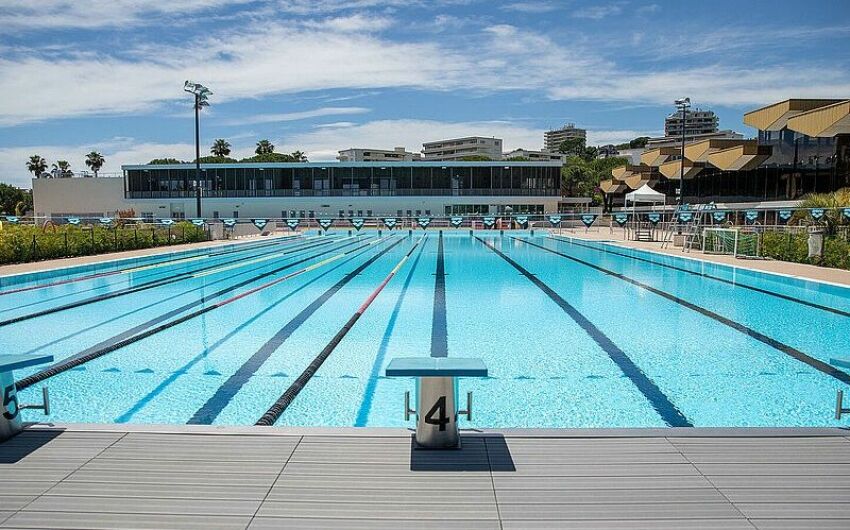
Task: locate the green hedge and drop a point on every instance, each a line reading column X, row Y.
column 795, row 248
column 23, row 243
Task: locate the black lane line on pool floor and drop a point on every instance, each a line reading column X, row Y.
column 709, row 276
column 151, row 264
column 294, row 242
column 439, row 327
column 659, row 401
column 761, row 337
column 130, row 290
column 111, row 345
column 282, row 403
column 225, row 393
column 165, row 316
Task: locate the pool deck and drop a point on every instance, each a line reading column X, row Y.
column 109, row 476
column 798, row 270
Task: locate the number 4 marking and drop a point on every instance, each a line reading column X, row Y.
column 9, row 398
column 439, row 408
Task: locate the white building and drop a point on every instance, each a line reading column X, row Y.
column 542, row 156
column 459, row 148
column 696, row 122
column 308, row 190
column 358, row 154
column 672, row 141
column 552, row 139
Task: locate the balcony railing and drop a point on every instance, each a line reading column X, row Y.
column 431, row 192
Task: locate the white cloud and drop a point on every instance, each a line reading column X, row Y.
column 531, row 7
column 352, row 23
column 294, row 116
column 598, row 12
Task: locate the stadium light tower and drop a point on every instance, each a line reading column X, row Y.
column 201, row 94
column 683, row 105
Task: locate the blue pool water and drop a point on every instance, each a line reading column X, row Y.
column 575, row 334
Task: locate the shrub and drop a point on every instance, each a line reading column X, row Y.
column 786, row 246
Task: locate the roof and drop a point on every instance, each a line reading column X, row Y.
column 331, row 164
column 774, row 117
column 826, row 121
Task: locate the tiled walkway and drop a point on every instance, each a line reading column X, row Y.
column 267, row 478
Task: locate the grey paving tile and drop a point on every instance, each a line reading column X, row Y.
column 761, row 441
column 120, row 521
column 630, row 524
column 512, row 481
column 106, row 474
column 415, row 482
column 799, row 524
column 779, row 481
column 4, row 516
column 633, row 511
column 788, row 495
column 276, row 523
column 776, row 469
column 13, row 503
column 795, row 510
column 388, row 510
column 611, row 470
column 382, row 495
column 371, row 470
column 217, row 490
column 188, row 466
column 607, row 496
column 24, row 487
column 60, row 503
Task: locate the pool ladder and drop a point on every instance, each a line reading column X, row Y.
column 839, row 405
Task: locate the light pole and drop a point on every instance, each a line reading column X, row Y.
column 201, row 93
column 683, row 105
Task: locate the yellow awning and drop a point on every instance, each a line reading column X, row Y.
column 656, row 157
column 823, row 122
column 673, row 169
column 612, row 186
column 744, row 157
column 700, row 151
column 636, row 180
column 621, row 172
column 775, row 117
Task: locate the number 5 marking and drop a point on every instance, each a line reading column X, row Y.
column 9, row 397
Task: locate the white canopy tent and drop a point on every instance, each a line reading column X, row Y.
column 645, row 194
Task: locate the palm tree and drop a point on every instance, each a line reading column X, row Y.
column 37, row 165
column 95, row 161
column 220, row 147
column 264, row 147
column 63, row 169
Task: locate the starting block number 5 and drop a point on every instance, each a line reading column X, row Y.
column 10, row 403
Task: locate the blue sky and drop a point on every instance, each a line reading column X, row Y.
column 326, row 75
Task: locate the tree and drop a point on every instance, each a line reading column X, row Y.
column 296, row 156
column 217, row 160
column 639, row 142
column 572, row 146
column 264, row 147
column 14, row 200
column 95, row 161
column 475, row 158
column 220, row 148
column 37, row 165
column 164, row 161
column 518, row 159
column 62, row 169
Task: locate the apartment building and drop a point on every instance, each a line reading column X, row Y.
column 552, row 139
column 358, row 154
column 460, row 148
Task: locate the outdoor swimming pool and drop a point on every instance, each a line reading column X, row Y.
column 575, row 334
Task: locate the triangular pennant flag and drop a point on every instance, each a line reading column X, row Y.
column 653, row 218
column 489, row 221
column 260, row 223
column 423, row 222
column 751, row 216
column 198, row 222
column 621, row 218
column 326, row 223
column 166, row 222
column 73, row 220
column 817, row 213
column 555, row 220
column 685, row 216
column 588, row 219
column 785, row 215
column 719, row 216
column 357, row 223
column 229, row 223
column 293, row 223
column 13, row 219
column 521, row 220
column 457, row 221
column 105, row 220
column 390, row 222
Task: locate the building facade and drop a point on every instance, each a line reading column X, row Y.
column 673, row 141
column 349, row 189
column 552, row 139
column 460, row 148
column 398, row 154
column 695, row 122
column 542, row 156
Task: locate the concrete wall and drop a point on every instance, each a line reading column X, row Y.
column 90, row 197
